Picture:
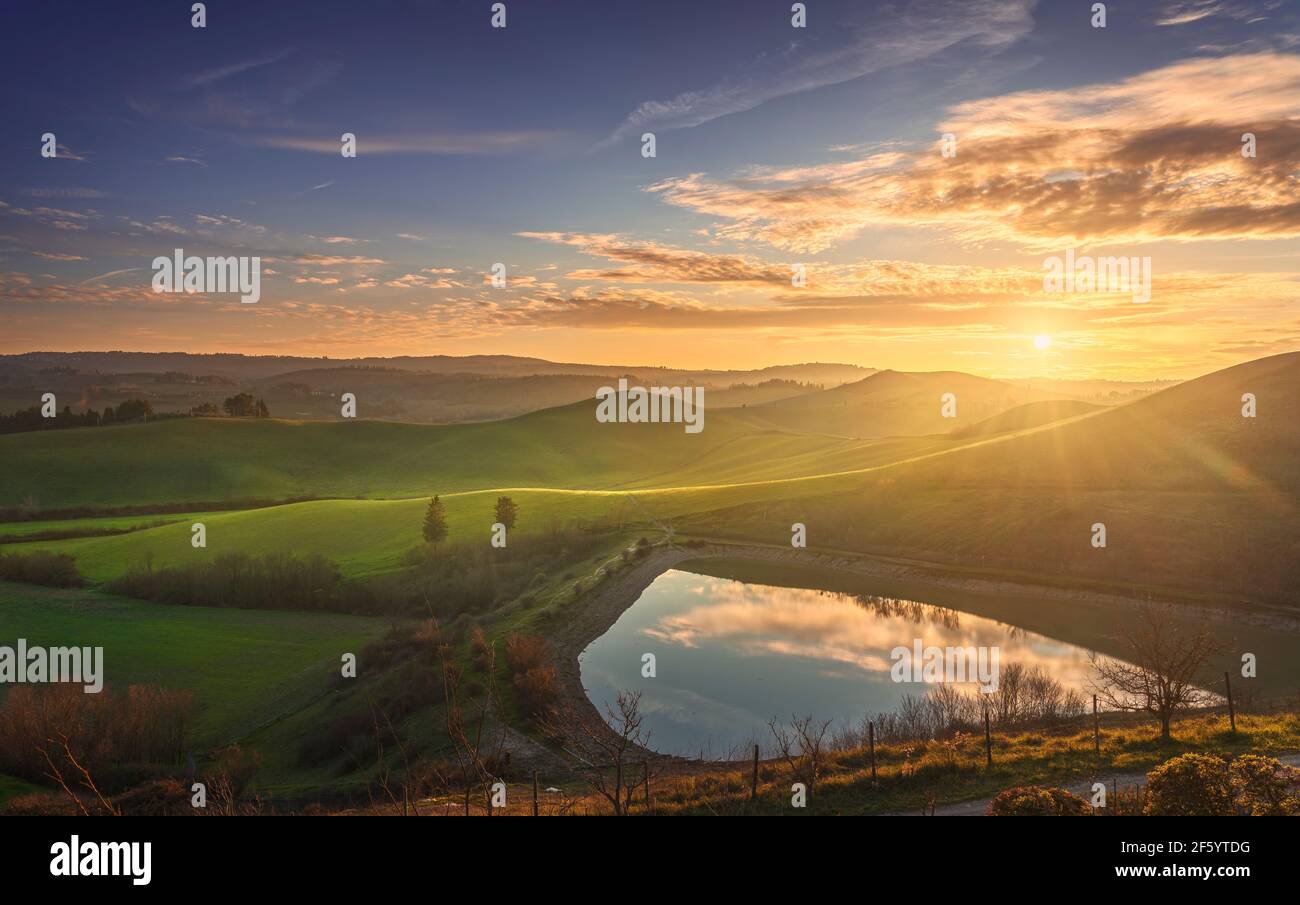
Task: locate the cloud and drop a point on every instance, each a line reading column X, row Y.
column 327, row 260
column 220, row 73
column 915, row 31
column 1185, row 12
column 64, row 193
column 438, row 143
column 655, row 262
column 1155, row 156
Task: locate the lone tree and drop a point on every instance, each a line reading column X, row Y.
column 435, row 522
column 507, row 511
column 241, row 405
column 1163, row 660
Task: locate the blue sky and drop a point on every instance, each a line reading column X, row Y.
column 224, row 140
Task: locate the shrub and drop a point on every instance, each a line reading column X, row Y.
column 57, row 570
column 524, row 652
column 164, row 797
column 1036, row 801
column 145, row 725
column 1190, row 785
column 480, row 650
column 273, row 581
column 1264, row 786
column 537, row 690
column 40, row 804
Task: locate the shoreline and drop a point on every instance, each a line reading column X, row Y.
column 604, row 605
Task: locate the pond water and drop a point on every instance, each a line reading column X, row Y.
column 731, row 655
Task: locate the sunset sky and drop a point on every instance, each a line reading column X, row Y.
column 775, row 146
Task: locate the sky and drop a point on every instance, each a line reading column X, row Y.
column 777, row 150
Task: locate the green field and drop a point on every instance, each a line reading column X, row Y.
column 17, row 532
column 205, row 459
column 1195, row 497
column 245, row 668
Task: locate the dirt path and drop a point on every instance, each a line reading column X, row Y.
column 1083, row 789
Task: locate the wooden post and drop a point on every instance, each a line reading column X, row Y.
column 871, row 746
column 753, row 780
column 534, row 793
column 649, row 805
column 988, row 740
column 1096, row 727
column 1232, row 713
column 466, row 799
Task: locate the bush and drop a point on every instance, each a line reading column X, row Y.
column 145, row 725
column 164, row 797
column 1036, row 801
column 1264, row 786
column 524, row 652
column 537, row 690
column 1190, row 785
column 40, row 804
column 272, row 581
column 57, row 570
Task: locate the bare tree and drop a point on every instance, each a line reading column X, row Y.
column 802, row 746
column 609, row 750
column 1161, row 665
column 476, row 755
column 54, row 771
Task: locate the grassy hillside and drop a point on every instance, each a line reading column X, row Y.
column 244, row 667
column 894, row 403
column 1192, row 495
column 216, row 459
column 1031, row 414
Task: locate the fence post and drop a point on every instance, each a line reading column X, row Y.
column 1232, row 713
column 871, row 746
column 1096, row 727
column 753, row 779
column 988, row 740
column 534, row 793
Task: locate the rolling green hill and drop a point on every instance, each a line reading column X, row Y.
column 1193, row 496
column 1031, row 414
column 894, row 403
column 245, row 668
column 204, row 460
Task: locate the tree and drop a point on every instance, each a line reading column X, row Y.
column 609, row 750
column 132, row 409
column 435, row 522
column 803, row 747
column 240, row 405
column 1157, row 675
column 507, row 511
column 262, row 410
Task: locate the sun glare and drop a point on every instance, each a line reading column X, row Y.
column 1042, row 341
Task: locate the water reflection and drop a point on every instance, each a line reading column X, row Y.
column 731, row 655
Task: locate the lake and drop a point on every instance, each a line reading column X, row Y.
column 732, row 654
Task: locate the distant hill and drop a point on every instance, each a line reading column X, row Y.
column 1192, row 495
column 218, row 459
column 428, row 389
column 894, row 403
column 1031, row 414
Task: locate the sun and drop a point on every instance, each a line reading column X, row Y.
column 1042, row 341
